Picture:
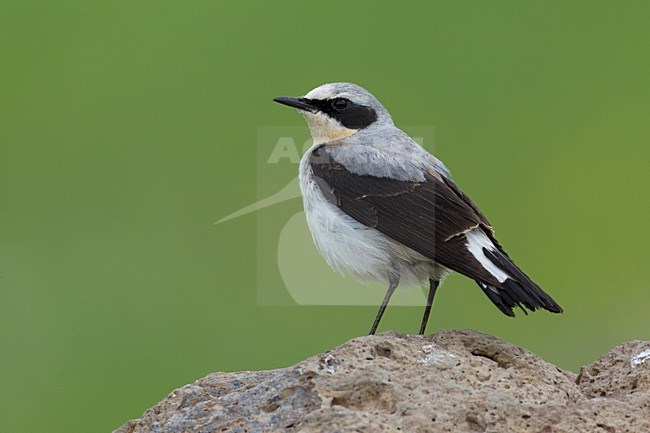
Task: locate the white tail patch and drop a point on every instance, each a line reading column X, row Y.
column 476, row 241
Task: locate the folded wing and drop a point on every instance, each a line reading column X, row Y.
column 436, row 219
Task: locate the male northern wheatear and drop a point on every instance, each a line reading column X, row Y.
column 380, row 207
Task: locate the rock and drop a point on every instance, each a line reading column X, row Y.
column 452, row 381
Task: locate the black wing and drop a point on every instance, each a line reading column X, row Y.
column 430, row 217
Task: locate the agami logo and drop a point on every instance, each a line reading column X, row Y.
column 290, row 270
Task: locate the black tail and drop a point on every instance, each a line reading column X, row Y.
column 516, row 291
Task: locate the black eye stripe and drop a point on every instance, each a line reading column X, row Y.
column 353, row 116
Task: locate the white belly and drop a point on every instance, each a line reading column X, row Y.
column 353, row 248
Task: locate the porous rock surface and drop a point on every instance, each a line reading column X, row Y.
column 452, row 381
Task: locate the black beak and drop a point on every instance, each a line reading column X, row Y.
column 299, row 103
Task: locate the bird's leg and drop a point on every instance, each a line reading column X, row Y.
column 433, row 285
column 393, row 282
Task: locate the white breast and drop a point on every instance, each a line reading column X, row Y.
column 353, row 248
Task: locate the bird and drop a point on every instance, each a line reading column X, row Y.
column 382, row 208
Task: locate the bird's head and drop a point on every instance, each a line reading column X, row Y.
column 337, row 110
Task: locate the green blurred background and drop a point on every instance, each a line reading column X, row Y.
column 127, row 128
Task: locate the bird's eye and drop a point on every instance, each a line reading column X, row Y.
column 339, row 103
